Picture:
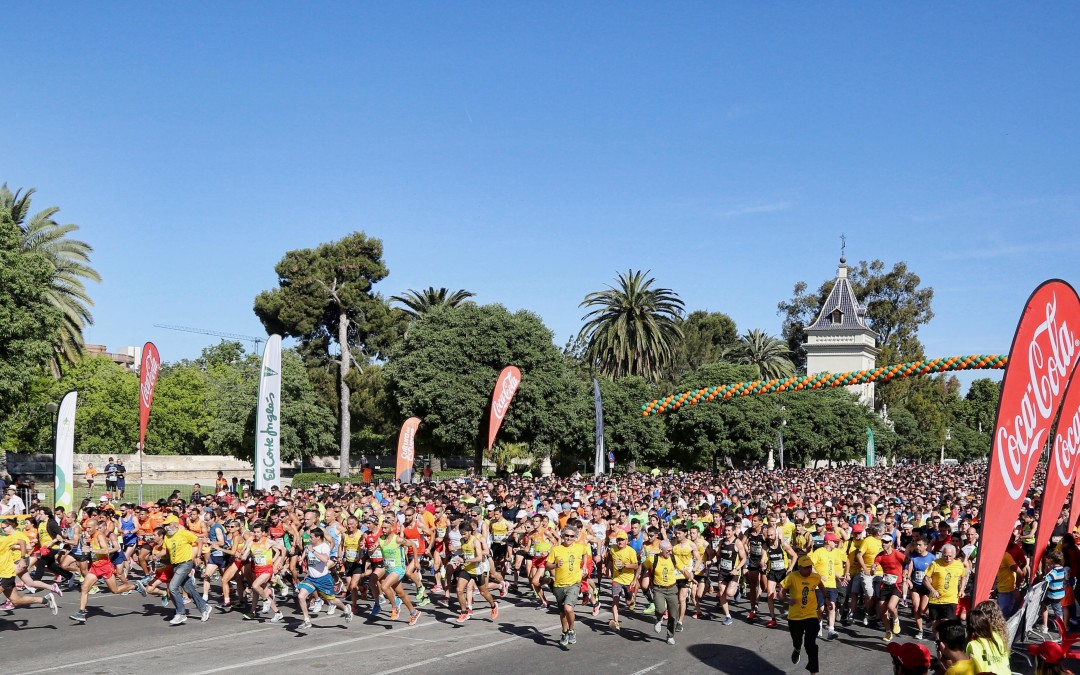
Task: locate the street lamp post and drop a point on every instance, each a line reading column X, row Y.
column 948, row 437
column 139, row 449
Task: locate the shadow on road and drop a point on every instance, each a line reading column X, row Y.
column 732, row 659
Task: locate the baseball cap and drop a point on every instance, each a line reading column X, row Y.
column 911, row 655
column 857, row 528
column 819, row 521
column 805, row 561
column 621, row 535
column 829, row 536
column 522, row 515
column 1049, row 651
column 103, row 499
column 170, row 519
column 222, row 493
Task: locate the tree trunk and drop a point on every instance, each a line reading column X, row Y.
column 346, row 420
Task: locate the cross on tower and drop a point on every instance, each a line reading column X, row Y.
column 843, row 243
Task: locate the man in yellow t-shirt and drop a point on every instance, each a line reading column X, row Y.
column 183, row 547
column 1006, row 585
column 801, row 588
column 14, row 547
column 565, row 563
column 945, row 581
column 623, row 563
column 830, row 563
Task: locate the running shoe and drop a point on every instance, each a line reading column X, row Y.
column 918, row 635
column 79, row 616
column 178, row 619
column 414, row 617
column 94, row 590
column 140, row 587
column 205, row 614
column 596, row 610
column 347, row 614
column 896, row 626
column 462, row 618
column 727, row 621
column 659, row 627
column 671, row 640
column 831, row 635
column 678, row 627
column 615, row 624
column 887, row 637
column 795, row 656
column 494, row 611
column 394, row 614
column 423, row 602
column 503, row 587
column 305, row 624
column 375, row 609
column 277, row 618
column 772, row 624
column 57, row 591
column 751, row 615
column 573, row 637
column 7, row 606
column 165, row 603
column 865, row 620
column 397, row 602
column 331, row 610
column 651, row 609
column 565, row 640
column 50, row 600
column 249, row 616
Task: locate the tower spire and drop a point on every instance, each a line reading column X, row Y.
column 843, row 245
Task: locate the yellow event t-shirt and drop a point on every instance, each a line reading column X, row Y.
column 622, row 559
column 946, row 581
column 179, row 546
column 568, row 561
column 663, row 572
column 7, row 556
column 869, row 550
column 1006, row 577
column 801, row 589
column 828, row 565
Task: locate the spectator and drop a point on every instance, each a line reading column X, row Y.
column 121, row 479
column 196, row 494
column 368, row 474
column 1049, row 656
column 909, row 658
column 110, row 475
column 987, row 639
column 12, row 504
column 89, row 475
column 220, row 483
column 951, row 638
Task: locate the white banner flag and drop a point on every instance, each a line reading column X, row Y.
column 268, row 418
column 64, row 452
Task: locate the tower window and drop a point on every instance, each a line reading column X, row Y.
column 837, row 317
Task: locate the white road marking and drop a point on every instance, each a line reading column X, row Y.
column 649, row 669
column 451, row 655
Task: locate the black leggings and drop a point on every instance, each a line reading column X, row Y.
column 806, row 629
column 49, row 562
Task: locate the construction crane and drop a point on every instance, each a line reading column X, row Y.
column 216, row 333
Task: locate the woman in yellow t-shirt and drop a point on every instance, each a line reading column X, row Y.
column 987, row 636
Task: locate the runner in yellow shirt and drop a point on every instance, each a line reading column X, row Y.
column 622, row 560
column 565, row 562
column 944, row 581
column 801, row 589
column 831, row 564
column 13, row 548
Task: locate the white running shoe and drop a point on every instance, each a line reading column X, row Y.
column 178, row 619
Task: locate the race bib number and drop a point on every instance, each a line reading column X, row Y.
column 351, row 554
column 889, row 579
column 779, row 565
column 499, row 538
column 919, row 576
column 726, row 564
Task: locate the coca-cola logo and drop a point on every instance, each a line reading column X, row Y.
column 150, row 367
column 507, row 387
column 1050, row 356
column 408, row 443
column 1066, row 447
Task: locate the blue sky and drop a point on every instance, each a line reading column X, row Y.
column 530, row 151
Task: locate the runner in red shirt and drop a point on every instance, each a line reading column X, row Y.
column 891, row 562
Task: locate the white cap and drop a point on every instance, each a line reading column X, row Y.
column 282, row 502
column 335, row 486
column 241, row 510
column 222, row 494
column 103, row 499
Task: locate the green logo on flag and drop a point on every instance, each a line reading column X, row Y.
column 269, row 372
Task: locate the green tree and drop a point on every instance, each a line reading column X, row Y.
column 829, row 425
column 896, row 307
column 422, row 302
column 634, row 439
column 28, row 320
column 708, row 435
column 70, row 260
column 325, row 297
column 632, row 329
column 179, row 417
column 768, row 356
column 708, row 337
column 445, row 369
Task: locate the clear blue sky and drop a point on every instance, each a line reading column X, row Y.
column 530, row 151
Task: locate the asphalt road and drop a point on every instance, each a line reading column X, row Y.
column 130, row 634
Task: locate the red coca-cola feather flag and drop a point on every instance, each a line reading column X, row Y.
column 1041, row 361
column 148, row 374
column 1061, row 472
column 505, row 386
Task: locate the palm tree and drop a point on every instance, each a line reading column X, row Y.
column 418, row 303
column 633, row 328
column 769, row 355
column 71, row 259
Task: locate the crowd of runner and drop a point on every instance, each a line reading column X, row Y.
column 805, row 548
